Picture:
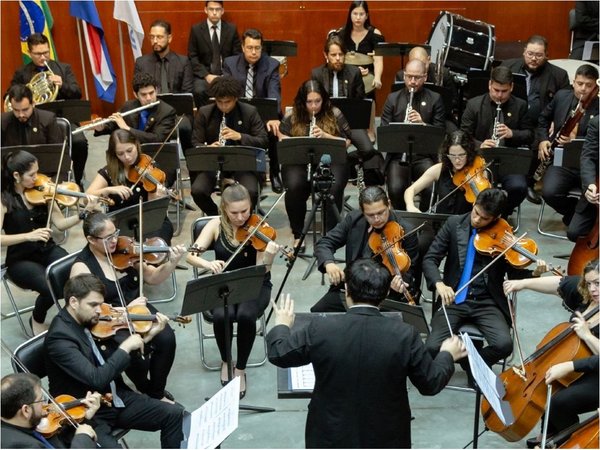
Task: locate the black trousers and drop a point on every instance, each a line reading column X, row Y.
column 558, row 181
column 204, row 184
column 582, row 221
column 397, row 176
column 516, row 188
column 79, row 155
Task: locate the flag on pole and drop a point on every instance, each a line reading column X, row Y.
column 125, row 11
column 102, row 69
column 35, row 17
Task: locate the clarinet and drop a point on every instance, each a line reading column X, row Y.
column 409, row 107
column 221, row 128
column 495, row 136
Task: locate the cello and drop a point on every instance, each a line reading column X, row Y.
column 586, row 248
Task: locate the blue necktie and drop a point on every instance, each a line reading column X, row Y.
column 143, row 120
column 116, row 400
column 42, row 439
column 466, row 275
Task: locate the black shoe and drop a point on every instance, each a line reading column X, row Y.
column 243, row 393
column 276, row 184
column 533, row 442
column 533, row 196
column 168, row 395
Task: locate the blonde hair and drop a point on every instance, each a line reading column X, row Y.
column 231, row 194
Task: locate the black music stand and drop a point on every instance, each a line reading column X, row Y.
column 280, row 48
column 267, row 107
column 231, row 158
column 75, row 111
column 224, row 290
column 127, row 220
column 309, row 150
column 507, row 161
column 398, row 49
column 356, row 110
column 182, row 102
column 47, row 156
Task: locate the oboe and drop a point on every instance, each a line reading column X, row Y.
column 409, row 107
column 221, row 128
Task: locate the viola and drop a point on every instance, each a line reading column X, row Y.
column 387, row 243
column 67, row 193
column 150, row 176
column 154, row 251
column 526, row 387
column 471, row 179
column 112, row 320
column 261, row 237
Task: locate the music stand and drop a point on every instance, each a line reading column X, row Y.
column 127, row 220
column 357, row 111
column 47, row 156
column 507, row 161
column 182, row 103
column 268, row 108
column 570, row 155
column 225, row 290
column 398, row 49
column 75, row 111
column 280, row 48
column 231, row 158
column 411, row 314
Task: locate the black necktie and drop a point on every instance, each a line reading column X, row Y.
column 215, row 65
column 164, row 78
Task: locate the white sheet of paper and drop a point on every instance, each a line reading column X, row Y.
column 217, row 418
column 303, row 378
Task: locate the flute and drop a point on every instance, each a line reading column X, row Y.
column 108, row 119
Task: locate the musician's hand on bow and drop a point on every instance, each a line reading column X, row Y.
column 85, row 428
column 39, row 234
column 446, row 293
column 591, row 194
column 398, row 284
column 122, row 191
column 559, row 371
column 216, row 266
column 92, row 401
column 273, row 126
column 335, row 274
column 284, row 313
column 133, row 342
column 580, row 326
column 455, row 346
column 544, row 150
column 503, row 131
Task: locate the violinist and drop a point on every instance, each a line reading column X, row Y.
column 483, row 303
column 23, row 408
column 112, row 180
column 353, row 232
column 219, row 234
column 101, row 236
column 580, row 295
column 26, row 234
column 75, row 365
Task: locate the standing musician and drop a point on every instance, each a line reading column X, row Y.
column 27, row 234
column 558, row 181
column 499, row 119
column 312, row 111
column 580, row 295
column 226, row 122
column 426, row 107
column 61, row 75
column 220, row 235
column 76, row 366
column 24, row 406
column 102, row 237
column 353, row 232
column 115, row 179
column 483, row 303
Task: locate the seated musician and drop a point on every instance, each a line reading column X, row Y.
column 226, row 122
column 68, row 89
column 514, row 128
column 432, row 69
column 353, row 233
column 558, row 181
column 102, row 237
column 312, row 106
column 344, row 80
column 23, row 409
column 220, row 235
column 26, row 232
column 76, row 366
column 116, row 179
column 427, row 107
column 580, row 295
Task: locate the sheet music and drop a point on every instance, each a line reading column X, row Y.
column 217, row 418
column 303, row 378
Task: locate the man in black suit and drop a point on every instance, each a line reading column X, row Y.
column 75, row 366
column 210, row 42
column 226, row 122
column 427, row 107
column 68, row 89
column 558, row 180
column 263, row 82
column 22, row 411
column 26, row 124
column 361, row 361
column 172, row 71
column 544, row 80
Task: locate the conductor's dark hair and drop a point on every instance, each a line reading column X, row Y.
column 36, row 39
column 17, row 389
column 465, row 141
column 372, row 194
column 18, row 92
column 492, row 201
column 142, row 80
column 587, row 71
column 502, row 75
column 161, row 23
column 94, row 224
column 20, row 161
column 334, row 39
column 80, row 286
column 538, row 40
column 252, row 33
column 225, row 86
column 367, row 281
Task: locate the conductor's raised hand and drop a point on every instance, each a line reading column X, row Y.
column 284, row 312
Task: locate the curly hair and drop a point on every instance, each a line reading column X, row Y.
column 301, row 118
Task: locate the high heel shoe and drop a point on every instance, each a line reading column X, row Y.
column 243, row 393
column 226, row 380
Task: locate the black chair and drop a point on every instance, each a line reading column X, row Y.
column 11, row 298
column 197, row 227
column 57, row 275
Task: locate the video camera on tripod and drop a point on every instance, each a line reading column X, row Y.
column 323, row 176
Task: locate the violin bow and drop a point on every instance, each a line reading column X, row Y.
column 546, row 415
column 145, row 170
column 513, row 316
column 253, row 232
column 141, row 241
column 60, row 161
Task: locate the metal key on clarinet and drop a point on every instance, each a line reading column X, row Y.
column 409, row 107
column 222, row 127
column 497, row 122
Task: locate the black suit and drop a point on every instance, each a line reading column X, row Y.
column 18, row 437
column 73, row 370
column 360, row 398
column 41, row 128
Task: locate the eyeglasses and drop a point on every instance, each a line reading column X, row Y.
column 455, row 157
column 533, row 55
column 46, row 53
column 110, row 237
column 413, row 77
column 43, row 401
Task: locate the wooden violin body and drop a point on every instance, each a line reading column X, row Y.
column 493, row 240
column 261, row 237
column 67, row 193
column 150, row 176
column 472, row 180
column 154, row 251
column 76, row 409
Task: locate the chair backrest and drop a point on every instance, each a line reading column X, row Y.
column 57, row 275
column 197, row 227
column 31, row 354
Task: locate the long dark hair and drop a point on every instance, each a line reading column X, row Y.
column 116, row 170
column 345, row 32
column 20, row 162
column 465, row 141
column 582, row 288
column 300, row 116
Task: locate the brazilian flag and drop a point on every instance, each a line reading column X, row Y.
column 35, row 17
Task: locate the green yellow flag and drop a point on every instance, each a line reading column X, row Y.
column 35, row 17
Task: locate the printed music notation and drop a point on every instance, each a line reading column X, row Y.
column 302, row 378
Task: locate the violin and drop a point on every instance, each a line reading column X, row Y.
column 472, row 180
column 67, row 193
column 261, row 237
column 75, row 408
column 111, row 320
column 150, row 176
column 386, row 242
column 154, row 251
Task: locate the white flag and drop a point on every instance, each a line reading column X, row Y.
column 126, row 11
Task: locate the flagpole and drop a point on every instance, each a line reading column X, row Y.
column 126, row 85
column 85, row 85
